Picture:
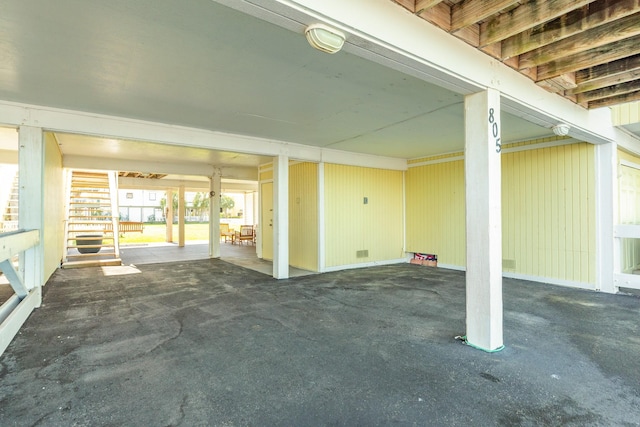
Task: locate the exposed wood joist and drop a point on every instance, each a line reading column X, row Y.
column 603, row 35
column 608, row 102
column 471, row 11
column 573, row 23
column 587, row 51
column 423, row 5
column 525, row 16
column 609, row 92
column 590, row 58
column 610, row 80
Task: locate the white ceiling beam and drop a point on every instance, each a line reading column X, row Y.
column 101, row 163
column 126, row 183
column 395, row 38
column 130, row 183
column 77, row 122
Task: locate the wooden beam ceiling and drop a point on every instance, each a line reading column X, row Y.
column 585, row 50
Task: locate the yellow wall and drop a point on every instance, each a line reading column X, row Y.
column 303, row 216
column 625, row 114
column 435, row 211
column 265, row 172
column 548, row 212
column 53, row 233
column 629, row 209
column 351, row 225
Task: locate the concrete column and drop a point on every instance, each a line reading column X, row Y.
column 169, row 215
column 281, row 217
column 607, row 251
column 483, row 220
column 31, row 204
column 214, row 215
column 181, row 209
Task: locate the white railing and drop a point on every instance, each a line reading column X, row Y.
column 8, row 226
column 28, row 294
column 620, row 277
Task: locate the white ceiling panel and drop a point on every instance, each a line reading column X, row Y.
column 202, row 65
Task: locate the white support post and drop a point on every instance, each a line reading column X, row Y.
column 321, row 225
column 281, row 217
column 214, row 214
column 483, row 220
column 181, row 212
column 31, row 201
column 169, row 215
column 115, row 213
column 255, row 208
column 607, row 252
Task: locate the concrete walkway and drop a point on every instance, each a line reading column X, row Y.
column 241, row 255
column 195, row 343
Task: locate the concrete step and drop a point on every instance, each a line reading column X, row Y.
column 92, row 263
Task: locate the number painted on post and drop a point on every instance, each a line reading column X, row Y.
column 495, row 129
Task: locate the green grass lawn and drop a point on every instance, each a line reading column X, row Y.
column 156, row 233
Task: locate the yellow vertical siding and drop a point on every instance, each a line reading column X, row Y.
column 629, row 209
column 351, row 225
column 53, row 233
column 303, row 216
column 435, row 211
column 548, row 212
column 625, row 114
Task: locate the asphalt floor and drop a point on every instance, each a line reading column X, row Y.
column 205, row 342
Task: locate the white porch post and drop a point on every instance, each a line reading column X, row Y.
column 214, row 215
column 181, row 208
column 483, row 220
column 169, row 213
column 321, row 225
column 31, row 203
column 607, row 252
column 281, row 217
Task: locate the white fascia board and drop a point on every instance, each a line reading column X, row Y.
column 101, row 163
column 130, row 183
column 162, row 183
column 77, row 122
column 241, row 173
column 383, row 31
column 364, row 160
column 230, row 187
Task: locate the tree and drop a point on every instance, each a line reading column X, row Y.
column 163, row 203
column 226, row 204
column 200, row 204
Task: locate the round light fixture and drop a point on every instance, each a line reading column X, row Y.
column 324, row 38
column 561, row 129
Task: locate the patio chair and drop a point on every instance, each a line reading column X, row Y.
column 245, row 234
column 226, row 233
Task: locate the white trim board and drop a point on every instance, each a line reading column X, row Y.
column 365, row 264
column 78, row 122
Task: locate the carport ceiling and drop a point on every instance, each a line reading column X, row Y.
column 587, row 51
column 203, row 65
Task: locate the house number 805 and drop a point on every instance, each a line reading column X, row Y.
column 495, row 130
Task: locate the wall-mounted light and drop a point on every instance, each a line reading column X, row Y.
column 561, row 130
column 324, row 38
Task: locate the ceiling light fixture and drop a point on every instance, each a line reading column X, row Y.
column 561, row 130
column 324, row 38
